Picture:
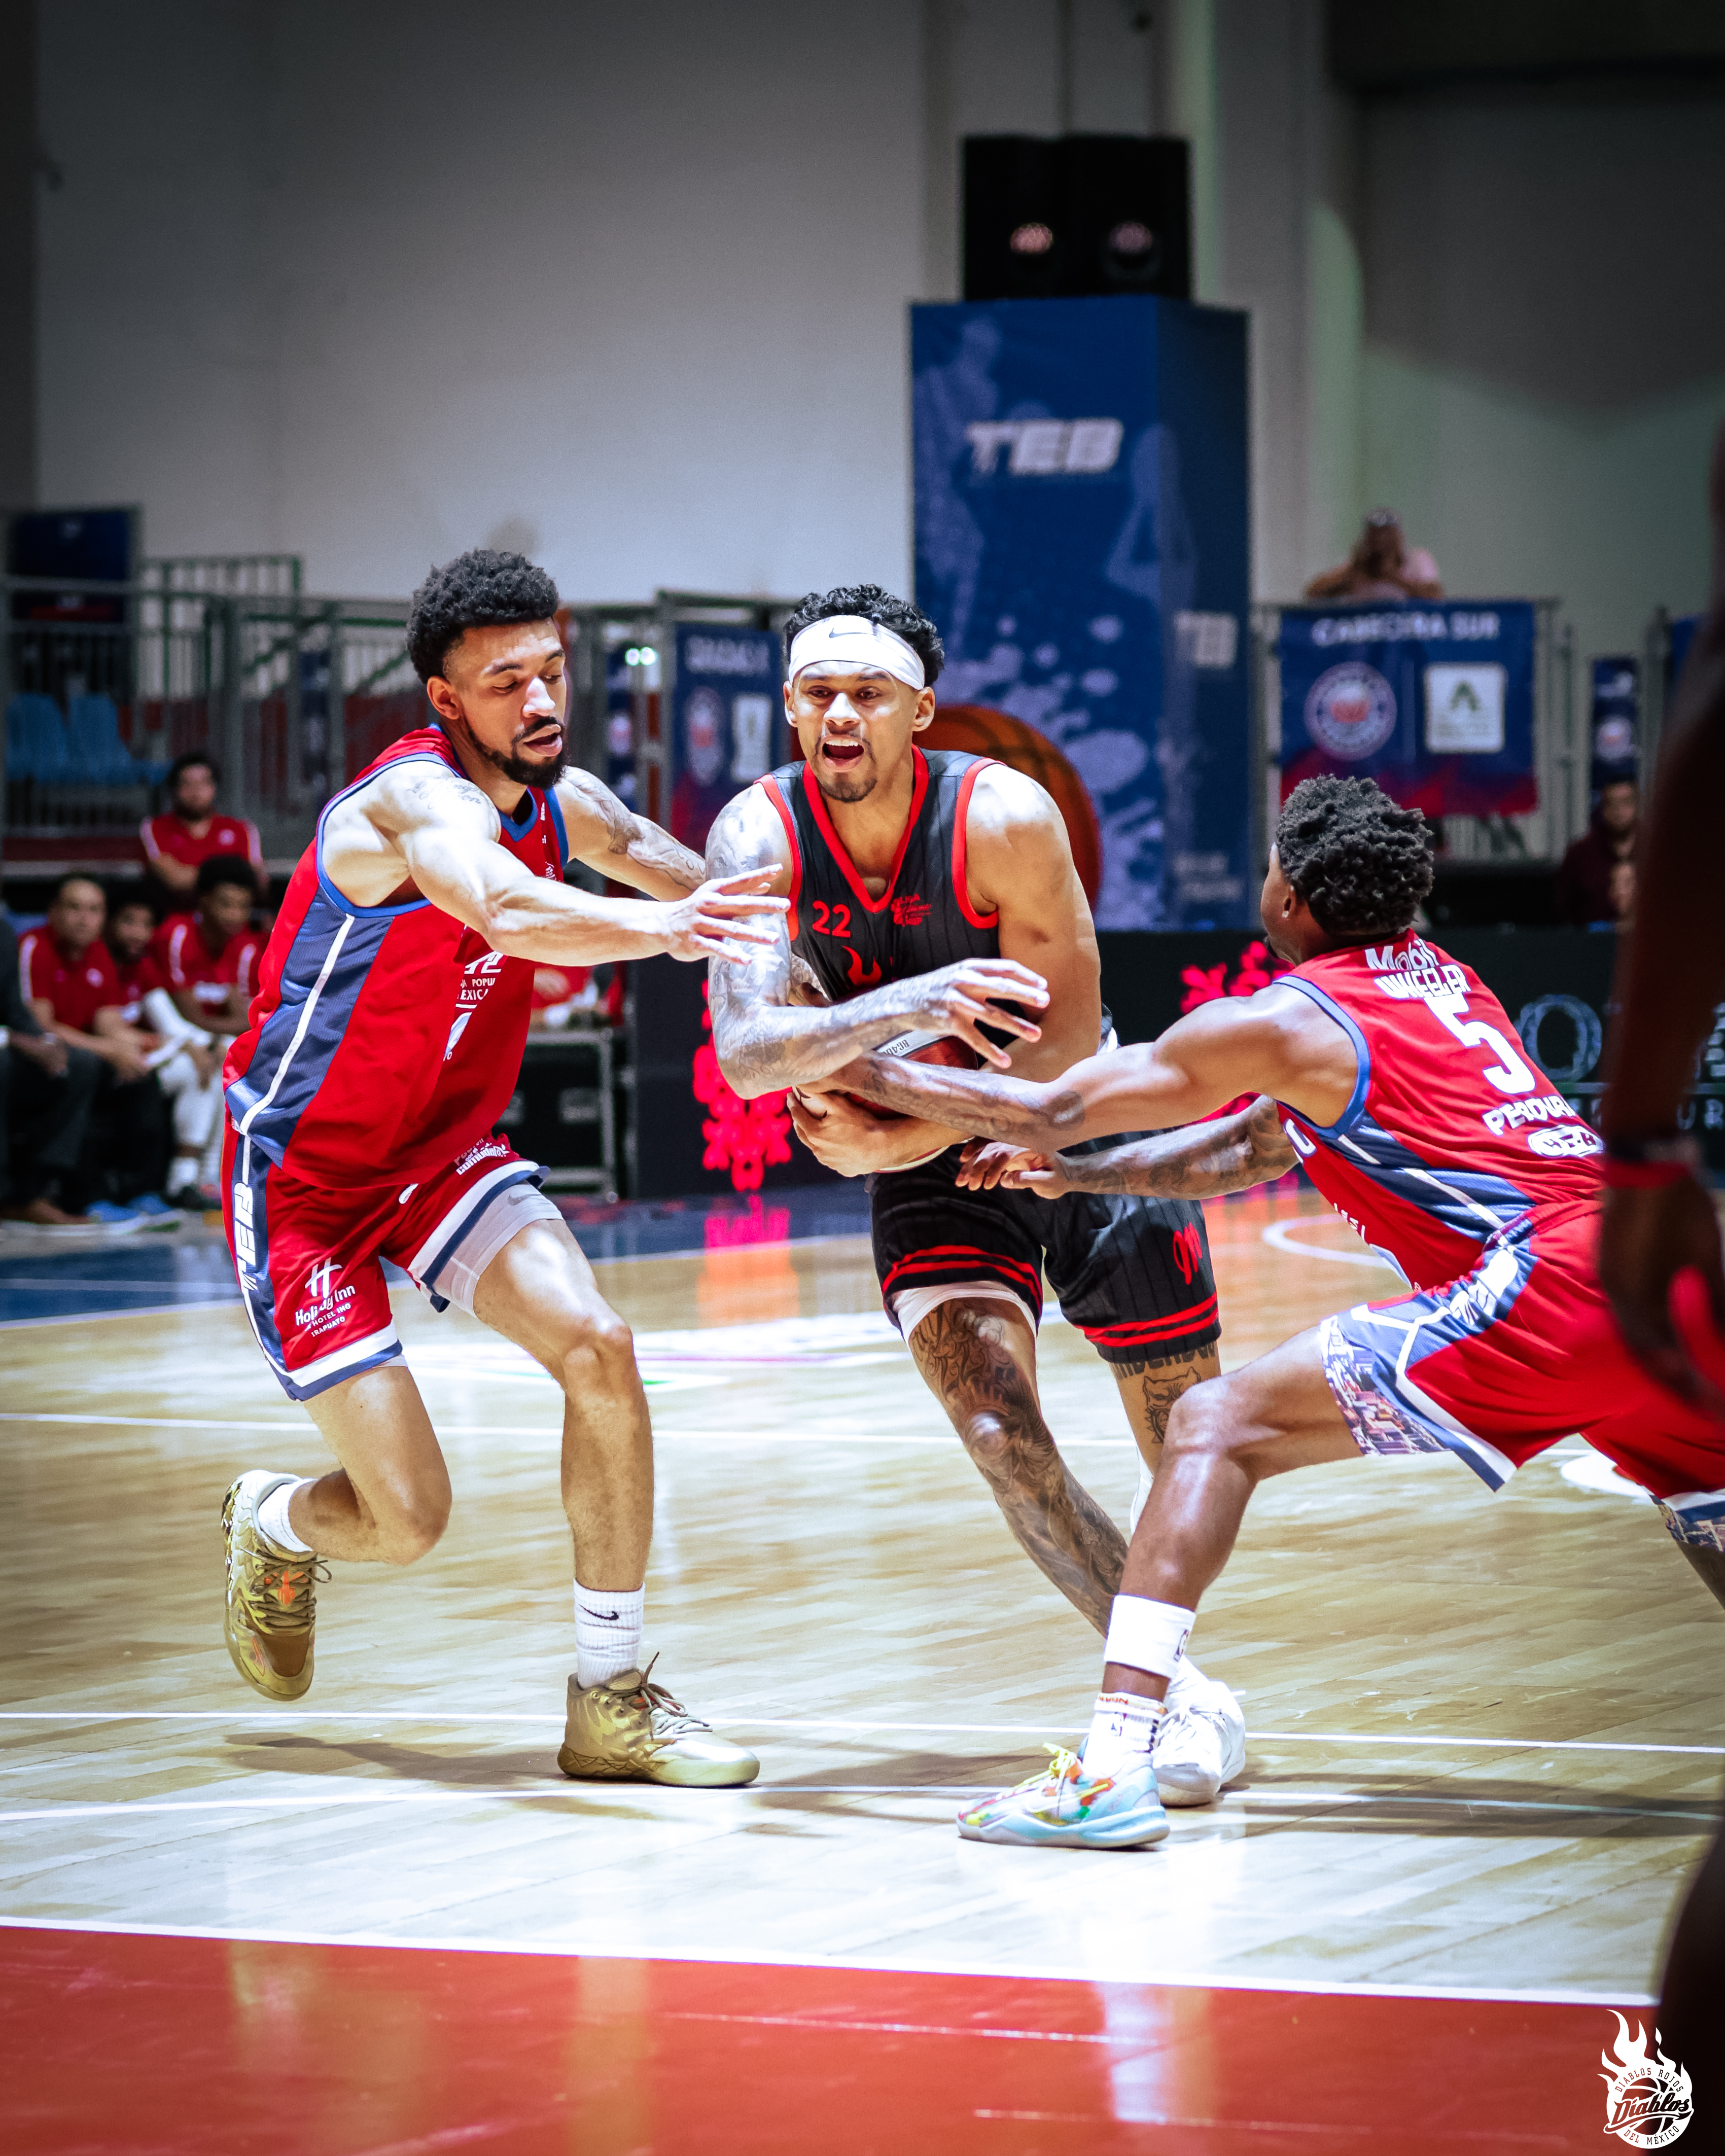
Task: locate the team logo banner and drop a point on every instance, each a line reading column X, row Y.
column 1435, row 703
column 1081, row 540
column 728, row 721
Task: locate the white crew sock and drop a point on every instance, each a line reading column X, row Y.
column 608, row 1634
column 1121, row 1731
column 273, row 1519
column 1141, row 1497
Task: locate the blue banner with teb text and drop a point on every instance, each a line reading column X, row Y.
column 1434, row 702
column 728, row 726
column 1082, row 545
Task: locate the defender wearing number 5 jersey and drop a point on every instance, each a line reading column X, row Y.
column 1394, row 1076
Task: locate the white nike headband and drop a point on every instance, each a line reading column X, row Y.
column 847, row 640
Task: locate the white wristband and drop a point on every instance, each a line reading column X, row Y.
column 1148, row 1635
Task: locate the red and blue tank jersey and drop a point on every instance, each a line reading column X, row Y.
column 384, row 1039
column 1453, row 1135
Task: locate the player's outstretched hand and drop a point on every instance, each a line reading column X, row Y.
column 959, row 999
column 710, row 922
column 1660, row 1263
column 986, row 1164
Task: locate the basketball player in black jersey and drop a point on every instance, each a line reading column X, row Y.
column 916, row 881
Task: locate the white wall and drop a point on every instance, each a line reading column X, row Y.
column 1544, row 340
column 626, row 287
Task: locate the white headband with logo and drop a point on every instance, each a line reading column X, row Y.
column 847, row 640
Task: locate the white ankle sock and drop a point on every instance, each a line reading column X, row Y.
column 608, row 1634
column 273, row 1518
column 1121, row 1731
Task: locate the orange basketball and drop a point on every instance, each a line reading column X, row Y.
column 916, row 1048
column 979, row 730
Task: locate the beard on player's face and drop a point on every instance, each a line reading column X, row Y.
column 513, row 763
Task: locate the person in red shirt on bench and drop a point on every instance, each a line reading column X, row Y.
column 186, row 1060
column 188, row 833
column 67, row 977
column 209, row 961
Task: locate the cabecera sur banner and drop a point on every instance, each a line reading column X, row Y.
column 1082, row 542
column 1433, row 700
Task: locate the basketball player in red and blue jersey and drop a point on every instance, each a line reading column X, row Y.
column 903, row 867
column 1396, row 1078
column 384, row 1042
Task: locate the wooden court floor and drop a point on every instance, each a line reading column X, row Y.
column 1485, row 1732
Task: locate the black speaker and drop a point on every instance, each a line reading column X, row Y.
column 1076, row 216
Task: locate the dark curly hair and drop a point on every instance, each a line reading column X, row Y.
column 1363, row 864
column 475, row 590
column 872, row 604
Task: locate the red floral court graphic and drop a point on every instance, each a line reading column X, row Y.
column 1255, row 967
column 744, row 1137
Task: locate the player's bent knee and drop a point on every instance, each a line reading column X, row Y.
column 412, row 1531
column 598, row 1352
column 1213, row 1419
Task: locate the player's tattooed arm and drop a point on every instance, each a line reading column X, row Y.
column 765, row 1042
column 420, row 830
column 1204, row 1160
column 606, row 834
column 1277, row 1043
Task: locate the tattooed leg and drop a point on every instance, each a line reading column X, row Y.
column 979, row 1360
column 1148, row 1390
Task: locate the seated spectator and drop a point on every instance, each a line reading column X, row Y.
column 1622, row 893
column 209, row 961
column 67, row 976
column 188, row 833
column 131, row 926
column 1382, row 566
column 1584, row 893
column 45, row 1093
column 188, row 1065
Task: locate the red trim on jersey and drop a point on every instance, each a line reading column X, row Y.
column 1148, row 1331
column 836, row 845
column 961, row 849
column 769, row 787
column 943, row 1256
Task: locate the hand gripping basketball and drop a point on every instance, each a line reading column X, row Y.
column 959, row 1000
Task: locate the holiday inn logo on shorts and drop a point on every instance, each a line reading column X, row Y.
column 1648, row 2102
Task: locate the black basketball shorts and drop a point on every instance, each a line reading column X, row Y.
column 1133, row 1274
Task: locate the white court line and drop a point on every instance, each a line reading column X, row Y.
column 49, row 1813
column 1279, row 1236
column 1074, row 1973
column 739, row 1721
column 944, row 1439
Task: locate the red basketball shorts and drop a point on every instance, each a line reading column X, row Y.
column 311, row 1260
column 1514, row 1356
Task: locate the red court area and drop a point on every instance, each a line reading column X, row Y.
column 127, row 2042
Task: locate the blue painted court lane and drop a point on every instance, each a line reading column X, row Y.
column 195, row 1269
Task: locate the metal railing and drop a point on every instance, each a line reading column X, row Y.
column 104, row 684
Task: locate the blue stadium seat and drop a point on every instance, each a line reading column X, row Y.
column 36, row 745
column 100, row 758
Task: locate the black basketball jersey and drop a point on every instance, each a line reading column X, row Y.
column 923, row 919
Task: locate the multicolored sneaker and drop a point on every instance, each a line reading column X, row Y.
column 625, row 1729
column 1201, row 1742
column 1061, row 1808
column 272, row 1600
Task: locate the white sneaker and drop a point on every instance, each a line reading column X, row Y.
column 1201, row 1742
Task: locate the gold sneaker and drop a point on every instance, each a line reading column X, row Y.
column 269, row 1596
column 625, row 1729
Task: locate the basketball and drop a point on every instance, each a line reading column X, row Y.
column 979, row 730
column 921, row 1047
